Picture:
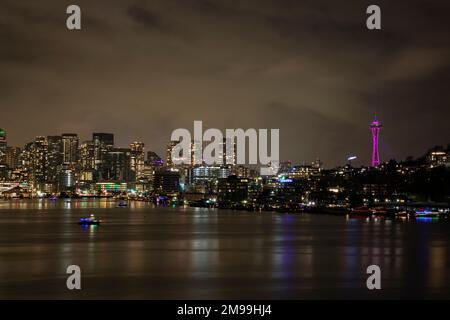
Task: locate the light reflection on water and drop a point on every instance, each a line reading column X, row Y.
column 146, row 252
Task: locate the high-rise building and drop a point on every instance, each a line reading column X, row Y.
column 170, row 148
column 70, row 148
column 195, row 156
column 103, row 142
column 67, row 180
column 228, row 151
column 118, row 164
column 137, row 157
column 39, row 161
column 196, row 153
column 12, row 157
column 55, row 157
column 3, row 146
column 87, row 155
column 87, row 162
column 375, row 128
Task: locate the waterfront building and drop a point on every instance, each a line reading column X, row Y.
column 166, row 181
column 232, row 190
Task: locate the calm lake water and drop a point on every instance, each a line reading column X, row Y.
column 192, row 253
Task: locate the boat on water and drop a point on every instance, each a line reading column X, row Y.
column 426, row 213
column 379, row 211
column 366, row 211
column 122, row 204
column 90, row 221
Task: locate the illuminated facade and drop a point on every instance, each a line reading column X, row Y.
column 118, row 164
column 70, row 148
column 137, row 157
column 103, row 142
column 55, row 156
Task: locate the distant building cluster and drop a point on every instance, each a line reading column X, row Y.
column 63, row 166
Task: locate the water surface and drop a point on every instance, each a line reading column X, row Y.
column 192, row 253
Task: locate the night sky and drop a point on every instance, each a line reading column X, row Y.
column 140, row 69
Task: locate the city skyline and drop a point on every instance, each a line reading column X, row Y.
column 310, row 69
column 372, row 146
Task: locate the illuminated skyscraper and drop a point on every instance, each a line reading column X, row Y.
column 70, row 148
column 103, row 142
column 228, row 151
column 137, row 159
column 87, row 159
column 87, row 162
column 375, row 127
column 118, row 164
column 12, row 157
column 55, row 156
column 173, row 147
column 39, row 161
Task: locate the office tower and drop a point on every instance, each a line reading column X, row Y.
column 170, row 147
column 375, row 128
column 87, row 155
column 137, row 157
column 103, row 142
column 12, row 157
column 55, row 157
column 87, row 162
column 228, row 151
column 38, row 155
column 118, row 165
column 70, row 149
column 67, row 180
column 196, row 153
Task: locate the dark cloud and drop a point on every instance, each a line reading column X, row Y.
column 143, row 68
column 145, row 17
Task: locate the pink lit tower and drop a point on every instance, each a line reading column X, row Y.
column 375, row 127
